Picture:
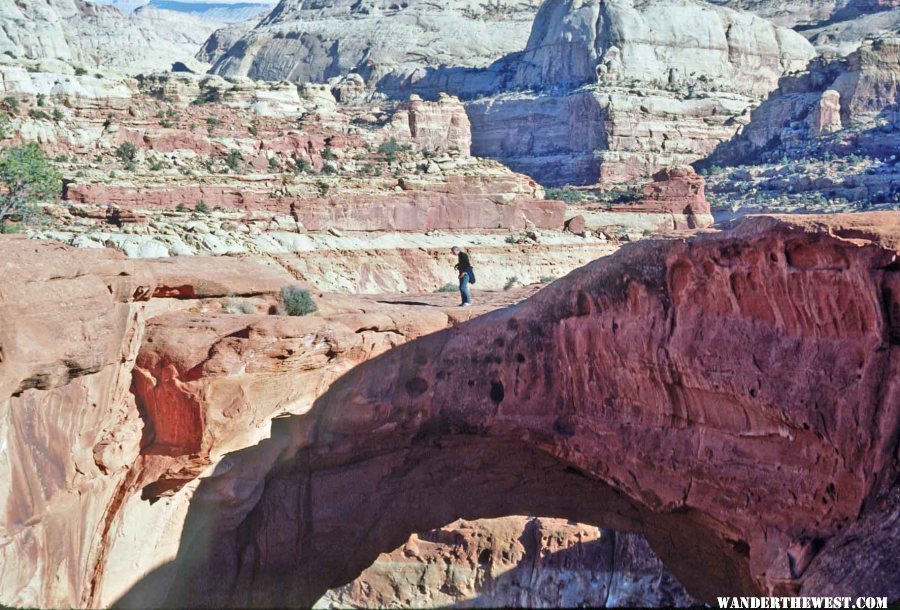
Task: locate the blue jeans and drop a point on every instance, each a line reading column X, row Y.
column 464, row 289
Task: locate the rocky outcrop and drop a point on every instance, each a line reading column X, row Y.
column 860, row 90
column 734, row 396
column 678, row 191
column 438, row 127
column 303, row 42
column 93, row 36
column 514, row 562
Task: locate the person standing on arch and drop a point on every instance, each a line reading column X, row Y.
column 466, row 275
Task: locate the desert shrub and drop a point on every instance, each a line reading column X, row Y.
column 566, row 195
column 213, row 121
column 58, row 115
column 181, row 208
column 5, row 126
column 11, row 104
column 391, row 148
column 546, row 279
column 79, row 71
column 297, row 301
column 328, row 153
column 233, row 159
column 165, row 123
column 511, row 283
column 126, row 152
column 303, row 166
column 449, row 287
column 27, row 178
column 38, row 115
column 201, row 208
column 41, row 100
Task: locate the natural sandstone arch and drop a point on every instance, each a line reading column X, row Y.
column 735, row 396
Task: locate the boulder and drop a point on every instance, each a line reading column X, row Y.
column 576, row 225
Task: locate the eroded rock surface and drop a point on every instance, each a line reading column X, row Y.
column 734, row 396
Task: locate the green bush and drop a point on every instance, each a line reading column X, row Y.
column 449, row 287
column 546, row 279
column 566, row 195
column 80, row 71
column 201, row 208
column 233, row 159
column 297, row 301
column 26, row 179
column 390, row 149
column 126, row 152
column 511, row 283
column 38, row 115
column 11, row 104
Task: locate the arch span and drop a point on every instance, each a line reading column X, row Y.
column 735, row 396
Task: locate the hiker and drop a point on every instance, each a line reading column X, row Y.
column 466, row 275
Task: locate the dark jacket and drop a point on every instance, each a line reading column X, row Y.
column 463, row 266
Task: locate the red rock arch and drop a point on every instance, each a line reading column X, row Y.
column 735, row 396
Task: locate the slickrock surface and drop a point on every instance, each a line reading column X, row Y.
column 121, row 381
column 514, row 562
column 734, row 396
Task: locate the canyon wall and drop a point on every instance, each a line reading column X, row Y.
column 733, row 396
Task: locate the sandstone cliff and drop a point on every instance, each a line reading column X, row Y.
column 304, row 42
column 100, row 37
column 734, row 396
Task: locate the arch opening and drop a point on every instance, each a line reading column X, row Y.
column 316, row 524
